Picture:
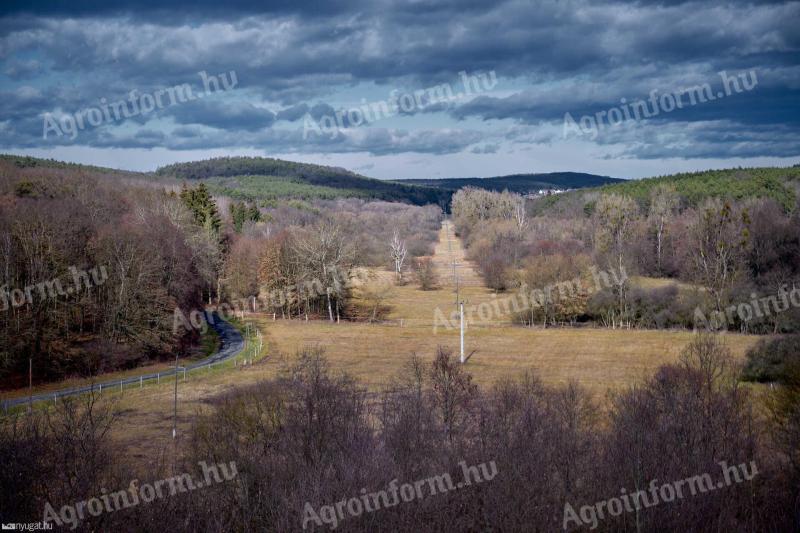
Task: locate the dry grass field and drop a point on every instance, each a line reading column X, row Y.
column 599, row 359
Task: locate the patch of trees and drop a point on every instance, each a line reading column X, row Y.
column 58, row 231
column 272, row 191
column 315, row 437
column 241, row 213
column 717, row 255
column 519, row 183
column 316, row 175
column 300, row 262
column 737, row 184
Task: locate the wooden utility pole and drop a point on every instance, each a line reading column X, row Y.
column 246, row 339
column 175, row 405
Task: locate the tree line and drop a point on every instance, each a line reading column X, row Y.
column 56, row 221
column 684, row 263
column 167, row 248
column 315, row 436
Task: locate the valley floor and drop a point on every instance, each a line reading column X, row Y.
column 599, row 359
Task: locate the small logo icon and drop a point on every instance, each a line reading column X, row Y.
column 9, row 526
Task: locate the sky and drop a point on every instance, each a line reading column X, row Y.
column 411, row 89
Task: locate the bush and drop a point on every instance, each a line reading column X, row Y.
column 768, row 361
column 426, row 274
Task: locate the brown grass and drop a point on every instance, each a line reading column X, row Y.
column 599, row 359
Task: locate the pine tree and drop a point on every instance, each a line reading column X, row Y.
column 240, row 213
column 203, row 208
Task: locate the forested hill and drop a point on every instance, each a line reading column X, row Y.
column 266, row 179
column 735, row 183
column 520, row 183
column 73, row 168
column 780, row 184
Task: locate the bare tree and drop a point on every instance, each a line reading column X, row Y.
column 520, row 217
column 426, row 274
column 719, row 240
column 521, row 220
column 663, row 202
column 327, row 255
column 615, row 215
column 398, row 253
column 375, row 296
column 452, row 390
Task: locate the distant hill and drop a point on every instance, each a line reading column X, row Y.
column 734, row 183
column 267, row 179
column 779, row 183
column 519, row 183
column 34, row 162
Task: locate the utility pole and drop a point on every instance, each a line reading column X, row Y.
column 457, row 287
column 452, row 257
column 30, row 383
column 246, row 339
column 175, row 405
column 461, row 314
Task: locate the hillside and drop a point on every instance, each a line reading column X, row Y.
column 520, row 183
column 266, row 179
column 777, row 183
column 262, row 180
column 36, row 162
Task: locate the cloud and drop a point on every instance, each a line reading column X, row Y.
column 292, row 58
column 486, row 149
column 222, row 113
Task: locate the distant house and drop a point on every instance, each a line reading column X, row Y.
column 545, row 192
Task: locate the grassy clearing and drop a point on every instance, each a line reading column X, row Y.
column 599, row 359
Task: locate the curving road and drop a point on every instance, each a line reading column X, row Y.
column 231, row 344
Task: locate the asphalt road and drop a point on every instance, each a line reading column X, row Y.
column 231, row 343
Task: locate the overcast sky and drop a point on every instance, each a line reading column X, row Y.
column 293, row 66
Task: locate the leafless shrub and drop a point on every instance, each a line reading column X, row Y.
column 425, row 272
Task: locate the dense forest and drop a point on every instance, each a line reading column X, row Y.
column 780, row 184
column 690, row 246
column 93, row 268
column 35, row 162
column 257, row 177
column 268, row 182
column 61, row 229
column 519, row 183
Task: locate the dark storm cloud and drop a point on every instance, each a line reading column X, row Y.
column 222, row 114
column 373, row 141
column 561, row 56
column 293, row 113
column 760, row 105
column 706, row 140
column 154, row 8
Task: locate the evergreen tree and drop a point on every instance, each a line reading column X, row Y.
column 240, row 213
column 203, row 208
